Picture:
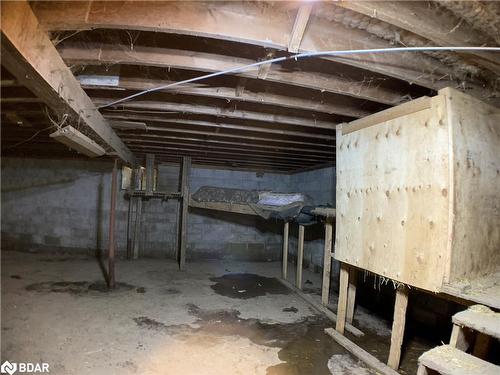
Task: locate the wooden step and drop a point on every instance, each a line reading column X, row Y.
column 481, row 319
column 448, row 360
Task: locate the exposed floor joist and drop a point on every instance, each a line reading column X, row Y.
column 29, row 54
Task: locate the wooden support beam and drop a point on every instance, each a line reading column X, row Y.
column 284, row 266
column 149, row 118
column 244, row 22
column 104, row 54
column 398, row 327
column 150, row 166
column 30, row 56
column 137, row 228
column 186, row 170
column 299, row 27
column 319, row 307
column 432, row 23
column 181, row 108
column 358, row 352
column 341, row 105
column 111, row 238
column 342, row 302
column 327, row 263
column 300, row 257
column 351, row 294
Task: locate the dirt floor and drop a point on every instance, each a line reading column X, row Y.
column 218, row 317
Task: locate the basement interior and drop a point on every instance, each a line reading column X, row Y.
column 250, row 187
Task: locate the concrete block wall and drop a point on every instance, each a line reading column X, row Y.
column 53, row 205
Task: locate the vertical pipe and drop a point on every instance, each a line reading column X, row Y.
column 186, row 168
column 111, row 249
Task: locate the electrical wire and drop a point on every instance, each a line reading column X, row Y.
column 30, row 138
column 301, row 56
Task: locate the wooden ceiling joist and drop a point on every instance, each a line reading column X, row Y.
column 432, row 23
column 245, row 22
column 220, row 125
column 30, row 56
column 342, row 105
column 181, row 108
column 107, row 54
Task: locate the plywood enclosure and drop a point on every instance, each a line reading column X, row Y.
column 418, row 191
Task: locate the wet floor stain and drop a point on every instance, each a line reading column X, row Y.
column 17, row 277
column 79, row 287
column 247, row 285
column 305, row 348
column 290, row 309
column 170, row 291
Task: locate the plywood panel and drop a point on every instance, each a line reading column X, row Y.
column 475, row 249
column 393, row 198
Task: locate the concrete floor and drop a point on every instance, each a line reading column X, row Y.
column 218, row 317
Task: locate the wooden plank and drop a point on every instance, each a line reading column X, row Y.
column 30, row 56
column 393, row 197
column 319, row 307
column 327, row 263
column 342, row 302
column 351, row 294
column 186, row 170
column 436, row 25
column 300, row 257
column 475, row 141
column 484, row 290
column 243, row 209
column 324, row 211
column 389, row 114
column 458, row 339
column 358, row 352
column 398, row 327
column 246, row 23
column 216, row 123
column 341, row 105
column 105, row 54
column 479, row 318
column 284, row 265
column 447, row 360
column 299, row 27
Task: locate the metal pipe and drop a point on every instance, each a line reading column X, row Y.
column 111, row 249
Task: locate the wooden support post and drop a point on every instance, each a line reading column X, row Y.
column 137, row 227
column 327, row 263
column 186, row 169
column 111, row 249
column 458, row 339
column 482, row 345
column 342, row 303
column 150, row 166
column 351, row 294
column 285, row 250
column 300, row 257
column 398, row 327
column 130, row 229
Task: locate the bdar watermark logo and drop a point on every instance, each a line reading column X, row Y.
column 8, row 368
column 23, row 367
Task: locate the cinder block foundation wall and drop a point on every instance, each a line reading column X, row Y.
column 63, row 205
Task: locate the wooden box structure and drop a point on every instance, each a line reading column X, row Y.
column 418, row 191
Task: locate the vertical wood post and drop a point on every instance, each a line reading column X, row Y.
column 398, row 327
column 130, row 229
column 186, row 169
column 285, row 251
column 300, row 257
column 137, row 227
column 342, row 302
column 327, row 263
column 150, row 166
column 111, row 248
column 351, row 294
